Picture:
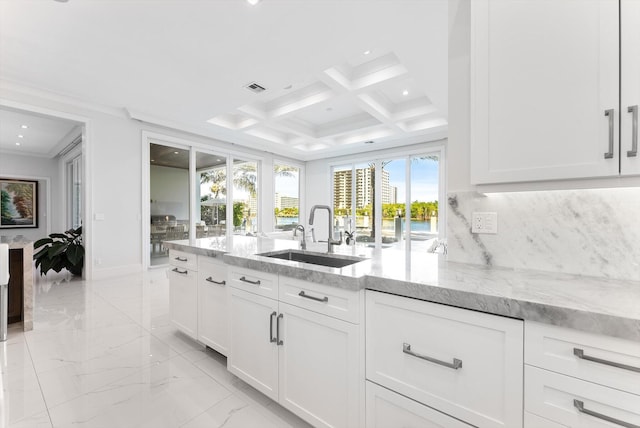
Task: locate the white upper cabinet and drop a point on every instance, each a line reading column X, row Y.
column 545, row 93
column 630, row 94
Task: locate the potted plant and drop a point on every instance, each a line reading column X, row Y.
column 60, row 251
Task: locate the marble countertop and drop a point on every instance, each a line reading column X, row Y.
column 597, row 305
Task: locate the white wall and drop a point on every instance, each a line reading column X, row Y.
column 36, row 168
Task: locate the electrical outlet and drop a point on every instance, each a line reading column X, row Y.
column 485, row 222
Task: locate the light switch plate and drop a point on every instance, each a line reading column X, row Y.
column 484, row 222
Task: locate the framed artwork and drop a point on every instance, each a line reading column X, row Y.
column 18, row 204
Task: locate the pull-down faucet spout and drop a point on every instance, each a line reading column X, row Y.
column 330, row 241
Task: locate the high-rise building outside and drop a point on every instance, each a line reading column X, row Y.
column 286, row 201
column 342, row 188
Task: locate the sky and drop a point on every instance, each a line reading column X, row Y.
column 424, row 179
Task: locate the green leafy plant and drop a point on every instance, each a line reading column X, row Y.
column 60, row 251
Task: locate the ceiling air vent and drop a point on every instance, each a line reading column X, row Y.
column 255, row 87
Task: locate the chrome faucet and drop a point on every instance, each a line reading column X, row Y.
column 303, row 243
column 330, row 241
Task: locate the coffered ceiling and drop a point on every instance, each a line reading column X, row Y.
column 337, row 74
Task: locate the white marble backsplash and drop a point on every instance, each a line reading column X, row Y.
column 593, row 232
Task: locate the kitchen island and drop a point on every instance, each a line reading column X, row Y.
column 596, row 305
column 401, row 338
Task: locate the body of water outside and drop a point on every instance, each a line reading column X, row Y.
column 387, row 224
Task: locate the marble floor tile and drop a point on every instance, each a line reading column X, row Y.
column 234, row 412
column 164, row 395
column 20, row 395
column 105, row 354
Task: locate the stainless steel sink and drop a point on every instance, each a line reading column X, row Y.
column 313, row 258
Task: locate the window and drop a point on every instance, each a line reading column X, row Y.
column 211, row 196
column 245, row 197
column 395, row 200
column 169, row 198
column 287, row 196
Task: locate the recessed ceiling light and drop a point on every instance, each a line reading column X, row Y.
column 218, row 160
column 177, row 153
column 405, row 92
column 153, row 160
column 367, row 52
column 288, row 87
column 20, row 136
column 17, row 144
column 24, row 127
column 253, row 2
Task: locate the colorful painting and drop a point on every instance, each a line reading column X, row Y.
column 18, row 204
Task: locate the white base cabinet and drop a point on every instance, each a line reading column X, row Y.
column 386, row 409
column 212, row 304
column 576, row 379
column 253, row 350
column 183, row 292
column 463, row 363
column 576, row 403
column 309, row 362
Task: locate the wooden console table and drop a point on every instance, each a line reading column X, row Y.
column 21, row 295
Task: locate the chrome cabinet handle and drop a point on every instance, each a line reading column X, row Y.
column 243, row 279
column 210, row 279
column 271, row 338
column 580, row 406
column 580, row 354
column 317, row 299
column 181, row 259
column 279, row 342
column 634, row 131
column 457, row 364
column 181, row 272
column 609, row 114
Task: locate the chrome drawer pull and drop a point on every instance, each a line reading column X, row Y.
column 279, row 341
column 325, row 299
column 271, row 338
column 580, row 406
column 457, row 364
column 181, row 272
column 181, row 259
column 634, row 131
column 243, row 279
column 580, row 354
column 210, row 279
column 609, row 114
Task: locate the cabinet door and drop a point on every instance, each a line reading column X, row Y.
column 387, row 409
column 630, row 94
column 320, row 370
column 183, row 300
column 253, row 356
column 576, row 403
column 464, row 363
column 543, row 74
column 212, row 306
